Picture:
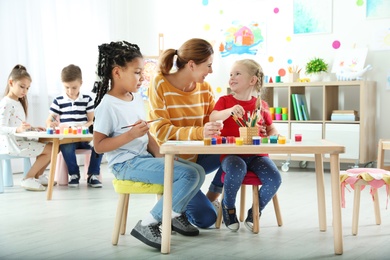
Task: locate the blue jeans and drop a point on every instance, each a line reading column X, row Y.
column 200, row 211
column 236, row 167
column 69, row 153
column 188, row 177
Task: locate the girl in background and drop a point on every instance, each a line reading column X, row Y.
column 13, row 114
column 132, row 153
column 246, row 76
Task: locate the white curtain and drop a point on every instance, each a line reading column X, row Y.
column 47, row 35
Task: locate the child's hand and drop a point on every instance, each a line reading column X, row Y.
column 139, row 129
column 212, row 128
column 237, row 110
column 23, row 127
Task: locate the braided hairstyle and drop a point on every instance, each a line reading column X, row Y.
column 19, row 72
column 112, row 55
column 254, row 69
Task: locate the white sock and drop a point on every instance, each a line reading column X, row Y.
column 175, row 214
column 148, row 220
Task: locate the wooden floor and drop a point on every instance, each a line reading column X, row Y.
column 77, row 224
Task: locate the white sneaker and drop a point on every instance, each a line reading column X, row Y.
column 44, row 180
column 32, row 184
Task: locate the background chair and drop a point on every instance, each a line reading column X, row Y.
column 251, row 179
column 6, row 177
column 358, row 178
column 124, row 189
column 61, row 175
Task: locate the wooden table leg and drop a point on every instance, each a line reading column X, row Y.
column 54, row 152
column 336, row 203
column 167, row 205
column 320, row 191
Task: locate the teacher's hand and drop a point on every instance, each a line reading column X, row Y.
column 212, row 128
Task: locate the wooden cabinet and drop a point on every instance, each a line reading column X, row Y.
column 358, row 137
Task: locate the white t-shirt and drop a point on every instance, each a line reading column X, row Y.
column 111, row 115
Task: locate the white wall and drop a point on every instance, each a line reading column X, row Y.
column 89, row 23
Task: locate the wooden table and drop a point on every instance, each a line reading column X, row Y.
column 56, row 139
column 316, row 147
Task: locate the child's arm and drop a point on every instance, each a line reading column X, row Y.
column 271, row 130
column 103, row 143
column 52, row 121
column 90, row 116
column 226, row 113
column 153, row 147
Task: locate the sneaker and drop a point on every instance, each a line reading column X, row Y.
column 32, row 184
column 230, row 218
column 150, row 235
column 216, row 205
column 74, row 181
column 44, row 180
column 182, row 226
column 93, row 181
column 249, row 220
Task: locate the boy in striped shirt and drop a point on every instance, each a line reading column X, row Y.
column 74, row 109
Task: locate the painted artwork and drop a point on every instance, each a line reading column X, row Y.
column 312, row 16
column 380, row 39
column 150, row 66
column 378, row 9
column 242, row 39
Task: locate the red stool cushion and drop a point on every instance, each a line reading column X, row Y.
column 249, row 179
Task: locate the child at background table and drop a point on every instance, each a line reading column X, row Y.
column 13, row 114
column 132, row 153
column 246, row 76
column 75, row 109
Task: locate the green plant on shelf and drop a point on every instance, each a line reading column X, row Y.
column 316, row 65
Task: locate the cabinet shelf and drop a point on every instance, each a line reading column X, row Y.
column 358, row 137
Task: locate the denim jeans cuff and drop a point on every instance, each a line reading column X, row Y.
column 215, row 189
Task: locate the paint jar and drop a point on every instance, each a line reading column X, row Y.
column 213, row 141
column 239, row 141
column 58, row 130
column 74, row 131
column 273, row 139
column 278, row 116
column 284, row 117
column 207, row 141
column 272, row 110
column 231, row 140
column 282, row 140
column 256, row 140
column 264, row 140
column 79, row 130
column 278, row 110
column 284, row 110
column 219, row 139
column 66, row 131
column 298, row 137
column 223, row 140
column 49, row 131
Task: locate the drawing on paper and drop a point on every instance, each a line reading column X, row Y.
column 312, row 16
column 241, row 39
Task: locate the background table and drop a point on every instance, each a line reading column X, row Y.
column 57, row 140
column 317, row 147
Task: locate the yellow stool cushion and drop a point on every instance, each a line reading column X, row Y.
column 133, row 187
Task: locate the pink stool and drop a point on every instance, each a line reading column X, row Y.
column 252, row 180
column 358, row 178
column 61, row 175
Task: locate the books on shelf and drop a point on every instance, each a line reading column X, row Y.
column 344, row 115
column 301, row 111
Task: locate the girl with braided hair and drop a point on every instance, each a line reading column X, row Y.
column 132, row 153
column 246, row 77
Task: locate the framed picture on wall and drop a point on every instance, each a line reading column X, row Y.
column 312, row 16
column 376, row 9
column 150, row 67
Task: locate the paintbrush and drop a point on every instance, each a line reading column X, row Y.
column 151, row 121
